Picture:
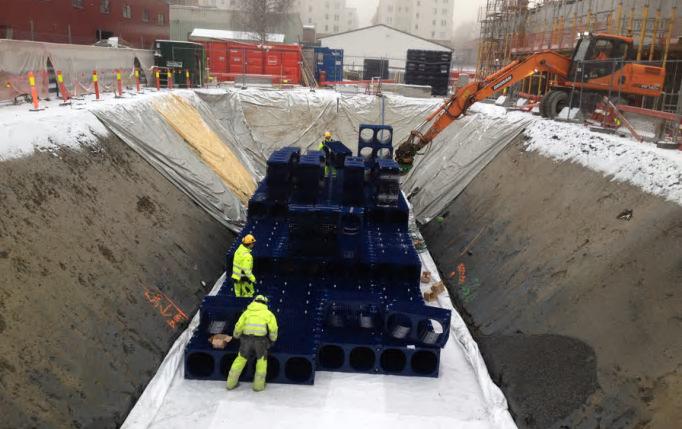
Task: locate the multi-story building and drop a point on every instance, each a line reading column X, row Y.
column 430, row 19
column 328, row 16
column 136, row 22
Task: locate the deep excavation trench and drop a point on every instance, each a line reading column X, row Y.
column 575, row 310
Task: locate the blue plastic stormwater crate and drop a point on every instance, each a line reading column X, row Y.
column 334, row 257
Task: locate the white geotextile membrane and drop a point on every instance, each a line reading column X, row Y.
column 257, row 122
column 463, row 395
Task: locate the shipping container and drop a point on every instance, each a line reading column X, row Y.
column 180, row 56
column 228, row 60
column 328, row 64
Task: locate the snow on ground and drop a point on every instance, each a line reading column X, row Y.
column 22, row 131
column 654, row 170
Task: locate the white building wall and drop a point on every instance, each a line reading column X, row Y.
column 430, row 19
column 387, row 43
column 328, row 16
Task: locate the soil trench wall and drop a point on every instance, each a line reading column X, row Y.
column 575, row 303
column 99, row 256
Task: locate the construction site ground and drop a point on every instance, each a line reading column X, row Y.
column 561, row 249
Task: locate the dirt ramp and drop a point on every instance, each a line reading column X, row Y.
column 563, row 271
column 102, row 261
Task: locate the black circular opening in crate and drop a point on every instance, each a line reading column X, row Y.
column 399, row 325
column 200, row 365
column 226, row 363
column 298, row 369
column 424, row 362
column 430, row 331
column 393, row 360
column 273, row 368
column 331, row 357
column 362, row 358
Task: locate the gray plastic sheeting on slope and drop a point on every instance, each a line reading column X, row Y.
column 454, row 158
column 263, row 120
column 139, row 125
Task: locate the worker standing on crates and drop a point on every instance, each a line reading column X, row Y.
column 256, row 330
column 327, row 139
column 242, row 268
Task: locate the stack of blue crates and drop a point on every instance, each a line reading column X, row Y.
column 335, row 259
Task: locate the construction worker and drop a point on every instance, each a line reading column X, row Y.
column 256, row 330
column 327, row 139
column 242, row 268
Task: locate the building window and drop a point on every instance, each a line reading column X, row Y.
column 416, row 26
column 310, row 20
column 336, row 17
column 419, row 3
column 336, row 28
column 445, row 12
column 105, row 6
column 433, row 22
column 417, row 15
column 433, row 34
column 160, row 19
column 310, row 8
column 390, row 8
column 77, row 3
column 326, row 27
column 145, row 15
column 443, row 22
column 326, row 17
column 127, row 11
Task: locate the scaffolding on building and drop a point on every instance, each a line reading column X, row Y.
column 515, row 28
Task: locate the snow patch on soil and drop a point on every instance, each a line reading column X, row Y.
column 654, row 170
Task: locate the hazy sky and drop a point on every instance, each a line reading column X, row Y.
column 465, row 10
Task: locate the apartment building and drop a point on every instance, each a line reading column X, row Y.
column 430, row 19
column 328, row 16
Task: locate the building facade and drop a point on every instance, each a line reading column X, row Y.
column 328, row 16
column 138, row 23
column 184, row 19
column 429, row 19
column 391, row 45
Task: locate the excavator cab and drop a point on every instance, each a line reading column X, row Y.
column 599, row 55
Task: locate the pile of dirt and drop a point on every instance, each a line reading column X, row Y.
column 103, row 261
column 571, row 285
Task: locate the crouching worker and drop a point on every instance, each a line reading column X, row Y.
column 256, row 330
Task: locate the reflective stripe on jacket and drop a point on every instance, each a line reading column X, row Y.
column 257, row 320
column 242, row 264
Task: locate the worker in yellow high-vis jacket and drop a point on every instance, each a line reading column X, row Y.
column 256, row 330
column 327, row 139
column 242, row 268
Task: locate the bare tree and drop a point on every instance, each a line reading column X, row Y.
column 264, row 16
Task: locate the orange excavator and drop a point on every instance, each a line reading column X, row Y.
column 600, row 64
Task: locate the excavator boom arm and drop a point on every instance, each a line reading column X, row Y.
column 469, row 94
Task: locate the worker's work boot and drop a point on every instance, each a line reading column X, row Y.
column 261, row 372
column 235, row 371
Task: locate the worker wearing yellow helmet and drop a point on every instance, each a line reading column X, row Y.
column 256, row 330
column 327, row 139
column 242, row 268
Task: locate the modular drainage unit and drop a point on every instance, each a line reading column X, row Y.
column 335, row 259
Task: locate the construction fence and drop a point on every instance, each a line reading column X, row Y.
column 77, row 64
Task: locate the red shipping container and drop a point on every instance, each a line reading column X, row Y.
column 227, row 60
